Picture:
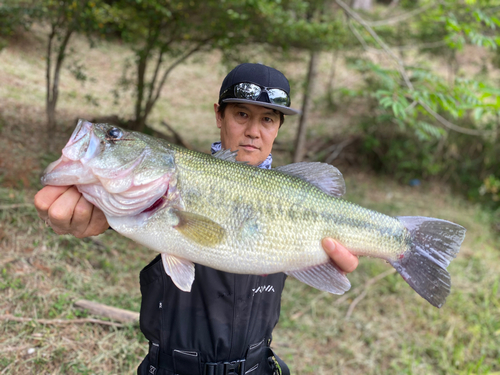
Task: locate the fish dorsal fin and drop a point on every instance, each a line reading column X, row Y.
column 324, row 176
column 199, row 229
column 228, row 155
column 181, row 271
column 325, row 277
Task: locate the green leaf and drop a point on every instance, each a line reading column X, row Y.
column 478, row 113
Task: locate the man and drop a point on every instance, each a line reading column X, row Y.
column 224, row 325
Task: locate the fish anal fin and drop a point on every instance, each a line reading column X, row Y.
column 326, row 277
column 324, row 176
column 199, row 229
column 434, row 244
column 181, row 271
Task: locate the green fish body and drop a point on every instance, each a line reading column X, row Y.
column 196, row 208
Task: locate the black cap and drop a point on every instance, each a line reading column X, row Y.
column 261, row 75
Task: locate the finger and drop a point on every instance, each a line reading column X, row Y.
column 61, row 211
column 46, row 197
column 98, row 224
column 81, row 217
column 340, row 255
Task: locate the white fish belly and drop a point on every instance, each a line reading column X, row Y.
column 277, row 248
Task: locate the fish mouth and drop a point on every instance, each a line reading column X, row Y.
column 70, row 169
column 83, row 144
column 117, row 190
column 83, row 127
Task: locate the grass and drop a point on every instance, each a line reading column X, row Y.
column 387, row 330
column 381, row 326
column 391, row 330
column 42, row 274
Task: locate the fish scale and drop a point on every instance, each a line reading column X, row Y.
column 196, row 208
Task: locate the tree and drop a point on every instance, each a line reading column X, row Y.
column 163, row 35
column 300, row 139
column 64, row 18
column 13, row 15
column 415, row 94
column 425, row 123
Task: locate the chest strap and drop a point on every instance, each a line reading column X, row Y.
column 225, row 368
column 183, row 362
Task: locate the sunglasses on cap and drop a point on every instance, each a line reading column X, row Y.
column 252, row 91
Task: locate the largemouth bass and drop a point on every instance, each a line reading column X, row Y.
column 196, row 208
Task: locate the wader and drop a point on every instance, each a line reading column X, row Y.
column 222, row 327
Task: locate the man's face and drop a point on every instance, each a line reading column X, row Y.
column 248, row 128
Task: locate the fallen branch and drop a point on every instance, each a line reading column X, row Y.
column 347, row 295
column 355, row 302
column 114, row 313
column 367, row 286
column 368, row 283
column 12, row 318
column 15, row 348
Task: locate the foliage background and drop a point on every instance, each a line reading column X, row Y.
column 366, row 118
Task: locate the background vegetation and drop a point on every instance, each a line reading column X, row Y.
column 402, row 96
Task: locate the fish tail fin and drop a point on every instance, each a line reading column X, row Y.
column 434, row 244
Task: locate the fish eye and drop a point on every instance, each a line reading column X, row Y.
column 114, row 133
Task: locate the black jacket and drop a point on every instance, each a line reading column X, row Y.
column 225, row 318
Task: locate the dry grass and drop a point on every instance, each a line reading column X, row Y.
column 378, row 328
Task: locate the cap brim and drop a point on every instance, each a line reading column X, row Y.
column 281, row 108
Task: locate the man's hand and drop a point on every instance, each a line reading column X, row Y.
column 67, row 211
column 342, row 257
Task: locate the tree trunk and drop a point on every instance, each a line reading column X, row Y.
column 48, row 81
column 52, row 93
column 331, row 80
column 141, row 73
column 148, row 92
column 300, row 141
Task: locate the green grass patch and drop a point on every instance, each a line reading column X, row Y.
column 386, row 328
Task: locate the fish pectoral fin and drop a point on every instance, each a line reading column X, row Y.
column 325, row 277
column 199, row 229
column 324, row 176
column 181, row 271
